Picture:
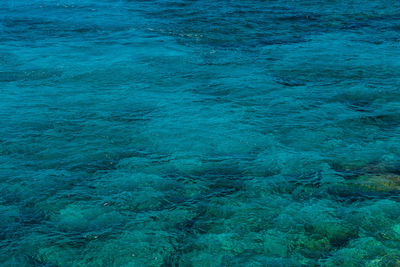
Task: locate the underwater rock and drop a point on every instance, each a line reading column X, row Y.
column 188, row 165
column 358, row 252
column 366, row 186
column 86, row 217
column 56, row 255
column 130, row 248
column 391, row 260
column 311, row 246
column 290, row 82
column 378, row 182
column 396, row 228
column 200, row 258
column 275, row 244
column 339, row 234
column 9, row 215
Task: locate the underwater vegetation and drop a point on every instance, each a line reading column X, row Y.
column 199, row 133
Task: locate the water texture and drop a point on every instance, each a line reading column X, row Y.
column 199, row 133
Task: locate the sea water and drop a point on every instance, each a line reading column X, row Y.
column 199, row 133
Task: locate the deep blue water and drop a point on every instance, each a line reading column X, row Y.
column 200, row 133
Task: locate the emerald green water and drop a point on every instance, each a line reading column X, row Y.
column 199, row 133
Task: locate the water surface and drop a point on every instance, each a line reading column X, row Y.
column 199, row 133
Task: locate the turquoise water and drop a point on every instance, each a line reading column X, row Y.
column 199, row 133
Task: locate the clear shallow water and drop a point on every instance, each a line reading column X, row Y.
column 199, row 133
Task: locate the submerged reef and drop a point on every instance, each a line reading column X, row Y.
column 212, row 213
